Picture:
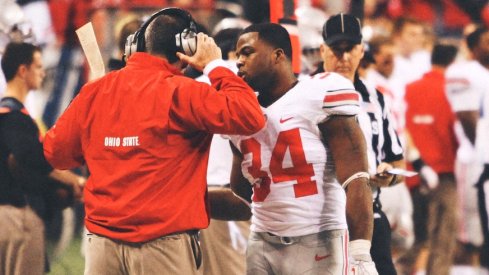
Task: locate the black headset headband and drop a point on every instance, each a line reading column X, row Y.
column 172, row 11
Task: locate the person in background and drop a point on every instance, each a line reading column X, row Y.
column 126, row 26
column 468, row 95
column 342, row 53
column 431, row 128
column 381, row 49
column 468, row 167
column 23, row 168
column 13, row 28
column 411, row 61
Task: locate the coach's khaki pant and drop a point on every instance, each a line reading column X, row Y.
column 172, row 254
column 224, row 247
column 442, row 226
column 21, row 241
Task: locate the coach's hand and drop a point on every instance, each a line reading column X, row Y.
column 207, row 51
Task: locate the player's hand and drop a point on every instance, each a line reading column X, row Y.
column 360, row 260
column 362, row 268
column 382, row 178
column 207, row 51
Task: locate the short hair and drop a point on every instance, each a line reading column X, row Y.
column 401, row 22
column 127, row 27
column 443, row 54
column 160, row 35
column 226, row 40
column 15, row 55
column 474, row 37
column 274, row 35
column 377, row 42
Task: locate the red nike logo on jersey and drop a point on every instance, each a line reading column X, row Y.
column 319, row 258
column 284, row 120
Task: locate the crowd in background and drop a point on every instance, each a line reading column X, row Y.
column 399, row 37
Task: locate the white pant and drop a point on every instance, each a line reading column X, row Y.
column 321, row 253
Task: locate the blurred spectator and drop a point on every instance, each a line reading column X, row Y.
column 128, row 25
column 38, row 13
column 310, row 24
column 24, row 171
column 468, row 167
column 71, row 71
column 431, row 127
column 13, row 27
column 230, row 23
column 469, row 97
column 225, row 9
column 381, row 50
column 445, row 16
column 410, row 62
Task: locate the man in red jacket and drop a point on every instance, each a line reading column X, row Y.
column 144, row 132
column 430, row 122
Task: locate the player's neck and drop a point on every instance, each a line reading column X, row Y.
column 280, row 87
column 484, row 64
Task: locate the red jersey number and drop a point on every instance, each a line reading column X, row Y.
column 262, row 189
column 301, row 171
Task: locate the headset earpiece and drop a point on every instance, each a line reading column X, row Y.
column 130, row 46
column 186, row 41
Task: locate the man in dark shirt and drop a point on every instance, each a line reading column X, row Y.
column 23, row 169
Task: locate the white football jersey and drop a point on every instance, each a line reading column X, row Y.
column 406, row 70
column 467, row 90
column 295, row 191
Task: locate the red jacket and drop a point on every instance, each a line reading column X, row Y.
column 430, row 121
column 144, row 132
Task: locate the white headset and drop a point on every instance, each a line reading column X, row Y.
column 186, row 41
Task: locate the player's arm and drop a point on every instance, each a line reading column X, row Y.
column 226, row 206
column 346, row 142
column 464, row 96
column 232, row 204
column 469, row 119
column 240, row 186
